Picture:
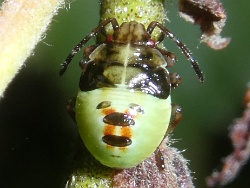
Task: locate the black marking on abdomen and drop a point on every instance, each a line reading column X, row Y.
column 118, row 119
column 103, row 104
column 118, row 141
column 136, row 107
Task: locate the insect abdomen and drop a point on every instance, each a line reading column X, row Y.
column 126, row 131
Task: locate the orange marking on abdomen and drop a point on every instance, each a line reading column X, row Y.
column 109, row 130
column 123, row 148
column 126, row 131
column 108, row 111
column 109, row 146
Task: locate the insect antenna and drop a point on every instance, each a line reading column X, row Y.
column 74, row 51
column 184, row 49
column 79, row 46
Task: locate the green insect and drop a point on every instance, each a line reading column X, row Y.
column 123, row 107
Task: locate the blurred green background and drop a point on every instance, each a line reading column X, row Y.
column 38, row 138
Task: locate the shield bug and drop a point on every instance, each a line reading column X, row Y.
column 123, row 106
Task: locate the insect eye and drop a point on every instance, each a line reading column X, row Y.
column 151, row 43
column 109, row 39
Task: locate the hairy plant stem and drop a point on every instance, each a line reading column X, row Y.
column 22, row 25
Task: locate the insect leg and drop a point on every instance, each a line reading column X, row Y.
column 78, row 47
column 160, row 163
column 176, row 117
column 170, row 57
column 175, row 80
column 184, row 49
column 86, row 53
